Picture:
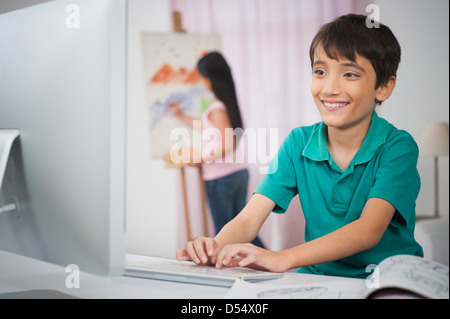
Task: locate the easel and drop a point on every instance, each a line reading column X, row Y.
column 182, row 166
column 178, row 27
column 177, row 22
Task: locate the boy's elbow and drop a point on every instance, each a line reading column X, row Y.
column 372, row 237
column 373, row 241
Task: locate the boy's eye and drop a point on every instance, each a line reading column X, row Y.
column 319, row 72
column 351, row 75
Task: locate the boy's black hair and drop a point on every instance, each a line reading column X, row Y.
column 214, row 67
column 349, row 35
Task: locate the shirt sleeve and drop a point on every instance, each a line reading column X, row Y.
column 216, row 105
column 280, row 184
column 397, row 179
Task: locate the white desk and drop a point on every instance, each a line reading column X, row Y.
column 19, row 273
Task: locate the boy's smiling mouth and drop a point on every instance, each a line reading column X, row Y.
column 334, row 105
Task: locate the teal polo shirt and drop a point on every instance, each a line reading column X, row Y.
column 384, row 167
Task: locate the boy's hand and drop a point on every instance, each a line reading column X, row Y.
column 249, row 255
column 201, row 251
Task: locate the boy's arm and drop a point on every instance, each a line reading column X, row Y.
column 245, row 226
column 242, row 229
column 348, row 240
column 362, row 234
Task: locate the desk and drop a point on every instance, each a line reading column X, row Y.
column 19, row 273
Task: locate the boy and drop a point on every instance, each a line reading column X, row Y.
column 355, row 173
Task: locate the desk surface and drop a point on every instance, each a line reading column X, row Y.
column 19, row 273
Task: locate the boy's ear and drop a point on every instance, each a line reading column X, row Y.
column 385, row 90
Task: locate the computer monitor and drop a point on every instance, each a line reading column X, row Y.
column 63, row 86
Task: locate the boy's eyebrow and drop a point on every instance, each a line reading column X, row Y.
column 318, row 62
column 353, row 65
column 346, row 64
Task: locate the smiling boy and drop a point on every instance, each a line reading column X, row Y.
column 355, row 173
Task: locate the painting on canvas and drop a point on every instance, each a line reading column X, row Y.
column 170, row 73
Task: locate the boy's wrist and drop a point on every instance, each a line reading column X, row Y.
column 285, row 260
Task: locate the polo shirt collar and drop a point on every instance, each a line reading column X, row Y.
column 316, row 147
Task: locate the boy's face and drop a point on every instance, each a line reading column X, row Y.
column 343, row 90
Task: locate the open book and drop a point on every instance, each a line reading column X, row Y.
column 406, row 275
column 401, row 276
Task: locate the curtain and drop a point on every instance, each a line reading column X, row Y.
column 266, row 43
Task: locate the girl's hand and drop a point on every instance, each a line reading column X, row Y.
column 202, row 251
column 174, row 107
column 249, row 255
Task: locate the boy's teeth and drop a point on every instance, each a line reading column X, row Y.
column 334, row 105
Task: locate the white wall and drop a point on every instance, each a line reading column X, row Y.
column 422, row 94
column 151, row 224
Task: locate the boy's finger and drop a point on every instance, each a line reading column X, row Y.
column 250, row 259
column 181, row 253
column 226, row 254
column 210, row 247
column 200, row 251
column 191, row 252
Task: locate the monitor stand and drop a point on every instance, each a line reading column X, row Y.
column 7, row 138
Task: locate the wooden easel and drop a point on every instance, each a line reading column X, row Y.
column 177, row 22
column 178, row 27
column 182, row 167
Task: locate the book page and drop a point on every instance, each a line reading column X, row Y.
column 424, row 277
column 337, row 289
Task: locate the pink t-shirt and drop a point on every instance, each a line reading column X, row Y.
column 211, row 140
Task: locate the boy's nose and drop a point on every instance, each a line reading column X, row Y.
column 331, row 86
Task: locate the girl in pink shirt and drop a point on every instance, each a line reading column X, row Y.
column 225, row 175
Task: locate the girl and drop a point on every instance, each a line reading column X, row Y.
column 225, row 178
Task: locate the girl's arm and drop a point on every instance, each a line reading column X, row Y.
column 174, row 107
column 221, row 121
column 348, row 240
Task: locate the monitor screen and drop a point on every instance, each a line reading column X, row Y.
column 63, row 87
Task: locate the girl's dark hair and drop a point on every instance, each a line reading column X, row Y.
column 214, row 67
column 350, row 35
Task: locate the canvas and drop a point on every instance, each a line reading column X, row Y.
column 170, row 73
